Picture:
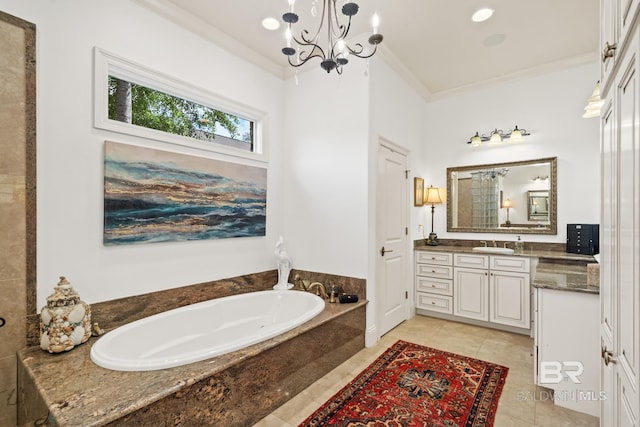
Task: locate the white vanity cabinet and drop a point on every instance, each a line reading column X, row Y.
column 492, row 288
column 434, row 281
column 510, row 291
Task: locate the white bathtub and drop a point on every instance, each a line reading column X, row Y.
column 203, row 330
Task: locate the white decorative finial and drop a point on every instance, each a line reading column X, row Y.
column 283, row 261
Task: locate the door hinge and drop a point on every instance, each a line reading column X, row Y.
column 406, row 294
column 406, row 173
column 406, row 231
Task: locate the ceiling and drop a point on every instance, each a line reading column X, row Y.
column 433, row 44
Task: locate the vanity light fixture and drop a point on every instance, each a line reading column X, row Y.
column 540, row 178
column 334, row 54
column 434, row 196
column 497, row 136
column 594, row 103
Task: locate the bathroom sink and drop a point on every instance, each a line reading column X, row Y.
column 492, row 250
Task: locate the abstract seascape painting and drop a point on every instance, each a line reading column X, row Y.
column 157, row 196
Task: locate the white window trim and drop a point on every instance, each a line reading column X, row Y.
column 106, row 63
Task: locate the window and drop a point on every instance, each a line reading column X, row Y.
column 138, row 101
column 153, row 109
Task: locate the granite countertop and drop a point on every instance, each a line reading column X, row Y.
column 78, row 392
column 563, row 277
column 531, row 253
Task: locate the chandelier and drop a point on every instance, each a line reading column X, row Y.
column 333, row 32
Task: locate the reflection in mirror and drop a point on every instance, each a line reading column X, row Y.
column 515, row 197
column 538, row 206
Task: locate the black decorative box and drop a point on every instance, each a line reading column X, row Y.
column 583, row 239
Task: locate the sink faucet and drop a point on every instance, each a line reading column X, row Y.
column 506, row 243
column 320, row 291
column 494, row 243
column 484, row 243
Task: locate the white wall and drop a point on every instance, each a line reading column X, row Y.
column 70, row 150
column 332, row 127
column 325, row 170
column 550, row 107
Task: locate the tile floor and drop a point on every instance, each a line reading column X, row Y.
column 518, row 404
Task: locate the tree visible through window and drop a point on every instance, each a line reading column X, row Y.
column 153, row 109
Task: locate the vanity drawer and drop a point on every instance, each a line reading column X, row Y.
column 440, row 258
column 471, row 261
column 440, row 271
column 510, row 263
column 434, row 286
column 441, row 304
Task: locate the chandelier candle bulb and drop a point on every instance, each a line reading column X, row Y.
column 287, row 36
column 375, row 22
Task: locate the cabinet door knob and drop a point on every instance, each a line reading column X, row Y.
column 608, row 51
column 2, row 322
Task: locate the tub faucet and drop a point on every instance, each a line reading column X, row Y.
column 494, row 243
column 484, row 243
column 320, row 290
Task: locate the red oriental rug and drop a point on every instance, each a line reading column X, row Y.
column 413, row 385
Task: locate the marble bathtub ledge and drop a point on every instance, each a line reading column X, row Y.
column 79, row 393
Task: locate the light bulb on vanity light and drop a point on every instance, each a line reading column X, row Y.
column 516, row 135
column 496, row 138
column 476, row 140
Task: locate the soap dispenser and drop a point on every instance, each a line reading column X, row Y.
column 519, row 245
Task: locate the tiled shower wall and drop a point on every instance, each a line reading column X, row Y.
column 17, row 200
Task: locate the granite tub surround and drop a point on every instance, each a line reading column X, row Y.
column 111, row 314
column 238, row 388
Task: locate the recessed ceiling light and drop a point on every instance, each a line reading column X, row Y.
column 270, row 23
column 482, row 14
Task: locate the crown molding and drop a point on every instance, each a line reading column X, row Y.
column 519, row 75
column 196, row 25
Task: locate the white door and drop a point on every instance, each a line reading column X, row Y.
column 620, row 251
column 391, row 232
